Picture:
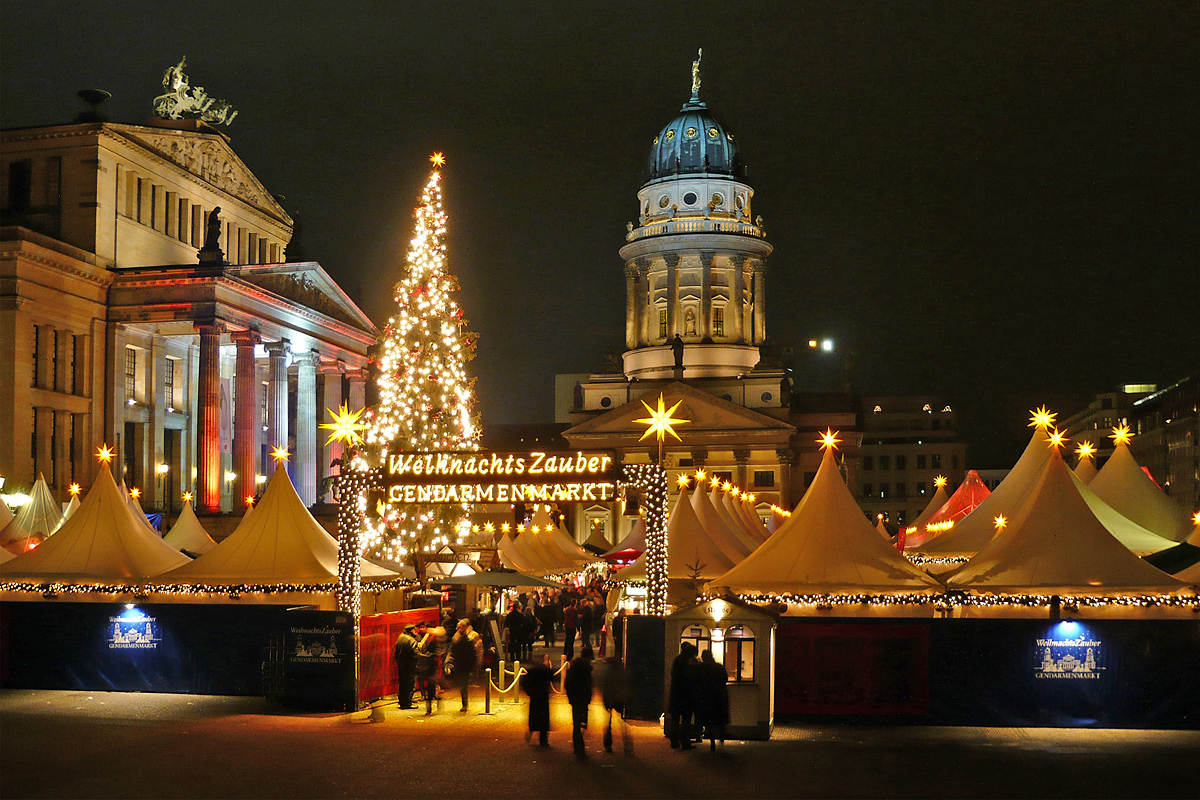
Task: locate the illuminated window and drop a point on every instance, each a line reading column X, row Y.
column 718, row 322
column 169, row 382
column 662, row 323
column 698, row 636
column 130, row 373
column 883, row 491
column 735, row 647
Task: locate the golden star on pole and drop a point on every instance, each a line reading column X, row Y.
column 1085, row 450
column 661, row 422
column 105, row 454
column 1042, row 418
column 135, row 493
column 280, row 455
column 682, row 481
column 1121, row 435
column 829, row 439
column 1001, row 522
column 345, row 426
column 701, row 475
column 939, row 481
column 1057, row 438
column 438, row 160
column 73, row 488
column 187, row 497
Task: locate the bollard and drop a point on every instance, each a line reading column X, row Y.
column 487, row 693
column 516, row 697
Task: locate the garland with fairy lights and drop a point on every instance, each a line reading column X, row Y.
column 953, row 599
column 921, row 558
column 233, row 590
column 651, row 482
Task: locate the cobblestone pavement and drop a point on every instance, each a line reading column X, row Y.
column 81, row 744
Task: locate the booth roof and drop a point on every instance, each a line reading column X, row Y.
column 510, row 557
column 879, row 526
column 188, row 534
column 690, row 552
column 939, row 499
column 634, row 541
column 1055, row 543
column 826, row 545
column 1085, row 470
column 743, row 511
column 1127, row 532
column 42, row 515
column 6, row 515
column 278, row 541
column 5, row 556
column 100, row 540
column 1128, row 489
column 558, row 539
column 972, row 532
column 596, row 543
column 731, row 542
column 71, row 508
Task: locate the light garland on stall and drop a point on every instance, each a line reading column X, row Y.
column 232, row 590
column 651, row 480
column 921, row 558
column 957, row 598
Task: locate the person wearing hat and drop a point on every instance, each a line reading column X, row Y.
column 463, row 658
column 405, row 656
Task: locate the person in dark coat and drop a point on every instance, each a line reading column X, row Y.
column 529, row 633
column 463, row 658
column 405, row 656
column 584, row 618
column 546, row 616
column 681, row 701
column 577, row 685
column 426, row 672
column 514, row 624
column 536, row 683
column 614, row 690
column 712, row 699
column 570, row 619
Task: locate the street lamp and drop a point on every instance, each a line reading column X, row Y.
column 162, row 470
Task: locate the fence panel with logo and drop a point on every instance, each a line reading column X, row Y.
column 377, row 637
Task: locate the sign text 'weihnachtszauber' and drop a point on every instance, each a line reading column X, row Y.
column 500, row 477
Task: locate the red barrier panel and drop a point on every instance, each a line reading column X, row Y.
column 377, row 636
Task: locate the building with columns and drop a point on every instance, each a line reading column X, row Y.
column 112, row 330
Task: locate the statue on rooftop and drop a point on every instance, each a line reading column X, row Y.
column 696, row 71
column 184, row 101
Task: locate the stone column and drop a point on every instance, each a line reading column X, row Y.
column 699, row 458
column 277, row 393
column 737, row 298
column 245, row 417
column 742, row 457
column 333, row 399
column 631, row 321
column 208, row 419
column 760, row 302
column 706, row 267
column 644, row 302
column 43, row 422
column 62, row 449
column 358, row 389
column 672, row 295
column 786, row 459
column 306, row 426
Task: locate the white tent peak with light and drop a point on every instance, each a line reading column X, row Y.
column 187, row 534
column 690, row 551
column 1127, row 488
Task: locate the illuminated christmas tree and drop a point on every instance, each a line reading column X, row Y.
column 425, row 398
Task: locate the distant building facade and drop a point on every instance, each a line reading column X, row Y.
column 112, row 331
column 1104, row 412
column 1167, row 440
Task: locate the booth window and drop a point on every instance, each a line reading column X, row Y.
column 738, row 646
column 698, row 635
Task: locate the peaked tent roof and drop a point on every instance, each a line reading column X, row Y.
column 1175, row 559
column 966, row 498
column 939, row 499
column 776, row 522
column 1129, row 533
column 278, row 541
column 826, row 545
column 42, row 515
column 731, row 544
column 187, row 534
column 6, row 515
column 533, row 552
column 689, row 548
column 1085, row 470
column 596, row 543
column 879, row 526
column 740, row 511
column 71, row 508
column 5, row 556
column 100, row 540
column 558, row 539
column 976, row 529
column 1124, row 486
column 634, row 541
column 16, row 539
column 511, row 557
column 1055, row 542
column 140, row 513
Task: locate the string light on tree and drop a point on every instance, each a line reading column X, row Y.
column 426, row 401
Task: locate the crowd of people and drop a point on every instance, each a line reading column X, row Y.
column 579, row 615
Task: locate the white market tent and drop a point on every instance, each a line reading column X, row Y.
column 512, row 558
column 776, row 522
column 720, row 501
column 1128, row 489
column 742, row 510
column 556, row 539
column 1054, row 542
column 825, row 546
column 36, row 520
column 969, row 535
column 879, row 526
column 633, row 543
column 1085, row 470
column 690, row 551
column 939, row 499
column 188, row 535
column 1129, row 533
column 138, row 512
column 277, row 542
column 732, row 544
column 71, row 508
column 534, row 552
column 5, row 556
column 102, row 540
column 596, row 543
column 6, row 515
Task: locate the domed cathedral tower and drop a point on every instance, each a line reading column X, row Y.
column 695, row 263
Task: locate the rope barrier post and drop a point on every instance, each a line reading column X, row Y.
column 487, row 692
column 516, row 697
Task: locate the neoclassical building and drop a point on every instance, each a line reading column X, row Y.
column 113, row 330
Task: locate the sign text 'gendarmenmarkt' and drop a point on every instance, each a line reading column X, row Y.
column 500, row 477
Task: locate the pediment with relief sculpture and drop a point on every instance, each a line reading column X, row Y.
column 210, row 158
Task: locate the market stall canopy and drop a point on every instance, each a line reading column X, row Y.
column 1085, row 470
column 278, row 541
column 1129, row 533
column 71, row 508
column 17, row 540
column 6, row 515
column 939, row 499
column 966, row 498
column 188, row 535
column 40, row 517
column 511, row 557
column 100, row 540
column 733, row 545
column 825, row 546
column 632, row 545
column 972, row 532
column 495, row 577
column 1182, row 556
column 1124, row 486
column 719, row 498
column 742, row 510
column 879, row 526
column 138, row 512
column 776, row 522
column 5, row 556
column 558, row 539
column 1055, row 543
column 596, row 544
column 535, row 555
column 690, row 551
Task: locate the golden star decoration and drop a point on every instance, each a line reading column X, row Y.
column 489, row 527
column 438, row 160
column 715, row 483
column 345, row 426
column 505, row 527
column 1000, row 522
column 701, row 476
column 105, row 454
column 939, row 481
column 1085, row 450
column 187, row 497
column 1041, row 418
column 829, row 439
column 249, row 501
column 280, row 455
column 683, row 481
column 661, row 422
column 73, row 488
column 1121, row 435
column 1057, row 438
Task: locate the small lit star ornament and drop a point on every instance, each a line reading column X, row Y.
column 187, row 497
column 249, row 501
column 280, row 455
column 438, row 160
column 345, row 426
column 939, row 482
column 105, row 454
column 489, row 527
column 715, row 483
column 661, row 422
column 1085, row 450
column 1196, row 518
column 749, row 497
column 682, row 481
column 701, row 475
column 135, row 493
column 73, row 488
column 505, row 527
column 1042, row 418
column 1057, row 438
column 1121, row 435
column 1001, row 522
column 829, row 439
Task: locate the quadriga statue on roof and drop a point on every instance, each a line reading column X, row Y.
column 184, row 101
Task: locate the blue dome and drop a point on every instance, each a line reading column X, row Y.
column 693, row 142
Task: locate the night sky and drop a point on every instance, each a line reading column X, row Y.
column 993, row 202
